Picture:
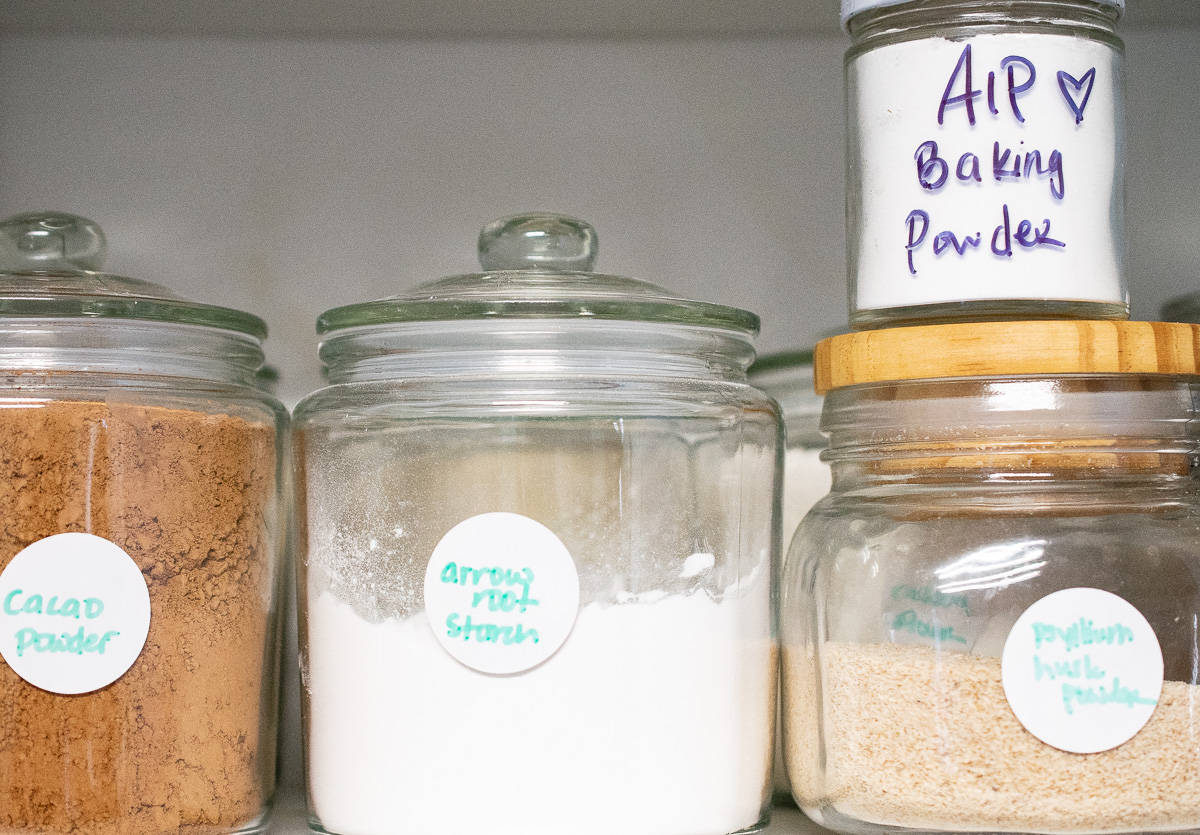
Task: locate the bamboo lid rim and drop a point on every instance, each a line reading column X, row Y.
column 1003, row 349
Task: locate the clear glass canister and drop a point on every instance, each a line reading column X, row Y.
column 990, row 623
column 788, row 377
column 985, row 165
column 139, row 549
column 538, row 523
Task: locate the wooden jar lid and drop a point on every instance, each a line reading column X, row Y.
column 1001, row 349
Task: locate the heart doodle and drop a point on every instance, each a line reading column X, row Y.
column 1072, row 87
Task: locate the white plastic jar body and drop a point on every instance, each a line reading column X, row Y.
column 985, row 164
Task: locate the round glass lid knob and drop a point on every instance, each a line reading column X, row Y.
column 541, row 241
column 50, row 242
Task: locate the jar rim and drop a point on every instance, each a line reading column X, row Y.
column 851, row 8
column 1084, row 422
column 500, row 346
column 159, row 348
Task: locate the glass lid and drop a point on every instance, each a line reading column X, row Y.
column 538, row 266
column 50, row 268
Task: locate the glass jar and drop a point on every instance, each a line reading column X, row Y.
column 989, row 623
column 538, row 523
column 140, row 549
column 267, row 378
column 986, row 157
column 788, row 377
column 1184, row 308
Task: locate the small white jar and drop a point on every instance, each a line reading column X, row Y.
column 985, row 166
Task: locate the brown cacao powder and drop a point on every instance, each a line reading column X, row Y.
column 184, row 741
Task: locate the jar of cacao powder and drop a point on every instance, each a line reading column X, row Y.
column 990, row 623
column 141, row 528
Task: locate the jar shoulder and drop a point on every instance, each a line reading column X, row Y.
column 169, row 393
column 535, row 397
column 913, row 528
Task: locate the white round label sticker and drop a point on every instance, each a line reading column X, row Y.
column 74, row 613
column 1082, row 670
column 501, row 592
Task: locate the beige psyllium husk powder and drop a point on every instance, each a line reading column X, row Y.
column 927, row 740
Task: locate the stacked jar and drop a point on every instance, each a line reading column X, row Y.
column 985, row 171
column 538, row 520
column 987, row 625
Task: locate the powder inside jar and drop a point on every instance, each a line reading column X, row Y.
column 653, row 719
column 927, row 740
column 183, row 741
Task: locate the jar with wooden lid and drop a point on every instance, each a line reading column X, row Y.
column 538, row 520
column 142, row 522
column 985, row 160
column 989, row 624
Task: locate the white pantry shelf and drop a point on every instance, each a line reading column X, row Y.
column 290, row 819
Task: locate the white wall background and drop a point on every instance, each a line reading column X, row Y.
column 288, row 176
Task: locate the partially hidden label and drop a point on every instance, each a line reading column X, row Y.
column 1082, row 670
column 74, row 613
column 501, row 592
column 925, row 614
column 987, row 168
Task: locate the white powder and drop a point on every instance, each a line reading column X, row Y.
column 896, row 92
column 653, row 718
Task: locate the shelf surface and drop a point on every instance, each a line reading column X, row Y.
column 290, row 819
column 468, row 18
